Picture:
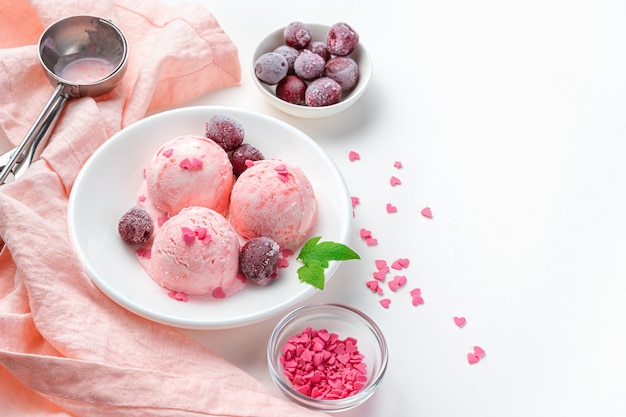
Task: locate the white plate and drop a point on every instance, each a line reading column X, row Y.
column 107, row 187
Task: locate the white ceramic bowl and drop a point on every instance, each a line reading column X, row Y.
column 346, row 322
column 107, row 187
column 318, row 32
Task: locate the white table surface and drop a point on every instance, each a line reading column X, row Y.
column 509, row 118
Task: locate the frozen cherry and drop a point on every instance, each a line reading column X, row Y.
column 291, row 89
column 297, row 35
column 308, row 65
column 271, row 67
column 135, row 226
column 241, row 154
column 320, row 48
column 259, row 259
column 344, row 70
column 225, row 130
column 322, row 92
column 341, row 39
column 290, row 54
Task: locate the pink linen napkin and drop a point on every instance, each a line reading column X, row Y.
column 65, row 348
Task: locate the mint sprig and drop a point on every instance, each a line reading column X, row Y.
column 315, row 256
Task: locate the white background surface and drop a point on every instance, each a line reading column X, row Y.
column 509, row 118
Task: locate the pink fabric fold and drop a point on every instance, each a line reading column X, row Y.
column 65, row 348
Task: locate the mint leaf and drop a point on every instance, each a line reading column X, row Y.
column 315, row 257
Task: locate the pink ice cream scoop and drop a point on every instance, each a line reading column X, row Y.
column 190, row 171
column 274, row 199
column 195, row 252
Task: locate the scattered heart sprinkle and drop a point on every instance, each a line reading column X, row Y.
column 394, row 181
column 397, row 164
column 460, row 321
column 391, row 208
column 385, row 302
column 353, row 156
column 426, row 212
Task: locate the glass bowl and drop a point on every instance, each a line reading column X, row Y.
column 344, row 321
column 318, row 33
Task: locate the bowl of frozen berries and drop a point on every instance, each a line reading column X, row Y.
column 312, row 70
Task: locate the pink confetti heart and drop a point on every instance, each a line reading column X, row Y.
column 144, row 253
column 396, row 265
column 282, row 263
column 426, row 212
column 417, row 300
column 373, row 285
column 365, row 233
column 403, row 262
column 355, row 201
column 385, row 302
column 380, row 264
column 353, row 156
column 370, row 241
column 394, row 181
column 415, row 291
column 249, row 163
column 391, row 208
column 219, row 293
column 459, row 321
column 472, row 359
column 188, row 235
column 380, row 275
column 168, row 152
column 397, row 164
column 478, row 351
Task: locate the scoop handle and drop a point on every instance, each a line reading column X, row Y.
column 37, row 137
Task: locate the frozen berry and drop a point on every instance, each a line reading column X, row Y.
column 136, row 226
column 225, row 130
column 344, row 70
column 297, row 35
column 241, row 154
column 290, row 55
column 308, row 65
column 320, row 48
column 291, row 89
column 271, row 67
column 322, row 92
column 259, row 259
column 341, row 39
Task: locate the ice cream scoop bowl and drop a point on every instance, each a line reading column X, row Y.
column 82, row 56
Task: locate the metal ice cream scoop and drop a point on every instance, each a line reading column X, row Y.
column 82, row 56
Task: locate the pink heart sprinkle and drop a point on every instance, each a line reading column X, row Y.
column 394, row 181
column 179, row 296
column 396, row 265
column 188, row 235
column 380, row 275
column 459, row 321
column 391, row 208
column 249, row 163
column 397, row 164
column 417, row 300
column 355, row 201
column 141, row 198
column 472, row 359
column 478, row 351
column 218, row 293
column 353, row 156
column 415, row 291
column 400, row 279
column 385, row 302
column 380, row 264
column 404, row 262
column 282, row 263
column 373, row 285
column 370, row 241
column 426, row 212
column 365, row 233
column 393, row 285
column 168, row 152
